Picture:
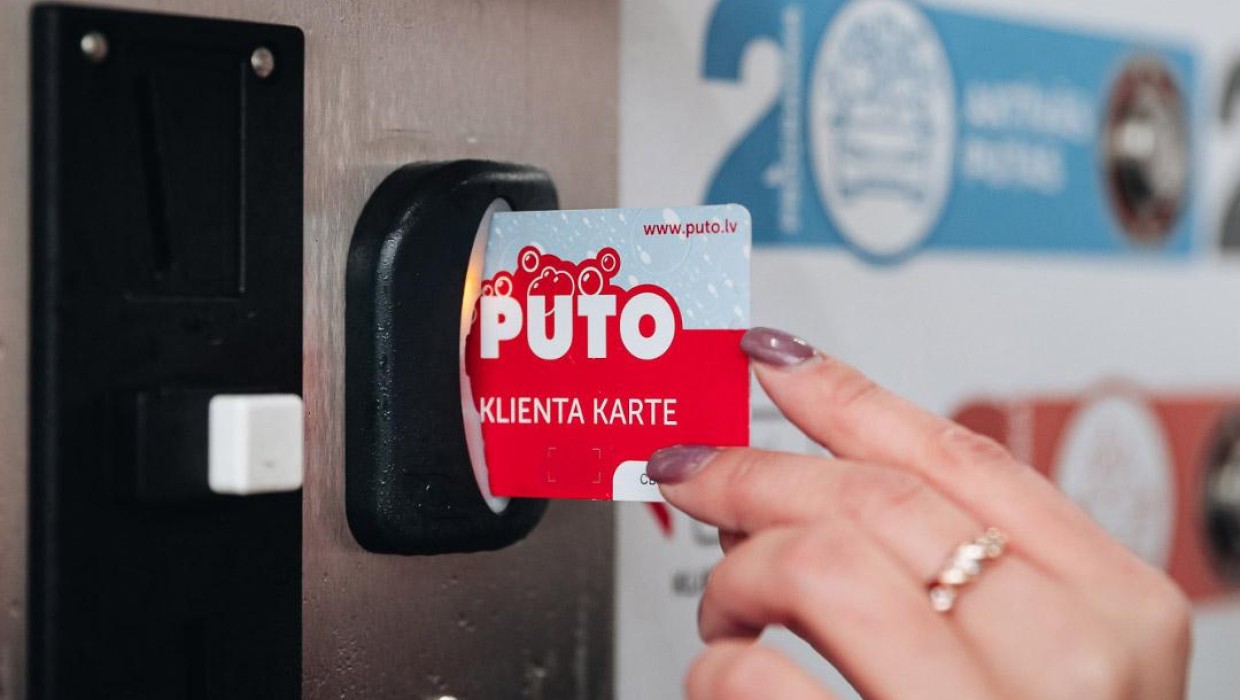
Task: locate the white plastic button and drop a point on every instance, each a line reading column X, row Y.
column 254, row 443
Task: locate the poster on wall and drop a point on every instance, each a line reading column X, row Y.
column 1022, row 218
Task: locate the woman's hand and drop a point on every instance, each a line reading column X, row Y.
column 843, row 552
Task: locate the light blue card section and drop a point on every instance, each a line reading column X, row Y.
column 698, row 254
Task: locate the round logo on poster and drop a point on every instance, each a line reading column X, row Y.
column 882, row 125
column 1114, row 461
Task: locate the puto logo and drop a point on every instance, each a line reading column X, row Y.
column 556, row 309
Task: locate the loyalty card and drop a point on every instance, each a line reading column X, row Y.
column 603, row 335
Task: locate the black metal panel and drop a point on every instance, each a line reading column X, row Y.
column 410, row 484
column 167, row 264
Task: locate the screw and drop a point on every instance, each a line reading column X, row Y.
column 95, row 47
column 263, row 62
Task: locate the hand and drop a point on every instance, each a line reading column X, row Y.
column 843, row 552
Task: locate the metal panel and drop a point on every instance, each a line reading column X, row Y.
column 387, row 82
column 14, row 281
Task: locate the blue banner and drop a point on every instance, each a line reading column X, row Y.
column 899, row 128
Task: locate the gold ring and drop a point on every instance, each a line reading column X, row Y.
column 963, row 566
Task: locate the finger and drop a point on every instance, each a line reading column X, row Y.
column 853, row 417
column 729, row 539
column 741, row 671
column 752, row 490
column 851, row 602
column 746, row 491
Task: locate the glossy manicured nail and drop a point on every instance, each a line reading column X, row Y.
column 672, row 465
column 775, row 347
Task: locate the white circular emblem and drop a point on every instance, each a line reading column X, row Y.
column 882, row 125
column 1114, row 461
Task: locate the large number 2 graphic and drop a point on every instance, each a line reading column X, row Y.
column 755, row 171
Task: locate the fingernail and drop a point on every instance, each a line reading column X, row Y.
column 672, row 465
column 775, row 347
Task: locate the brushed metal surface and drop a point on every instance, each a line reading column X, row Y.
column 14, row 41
column 387, row 82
